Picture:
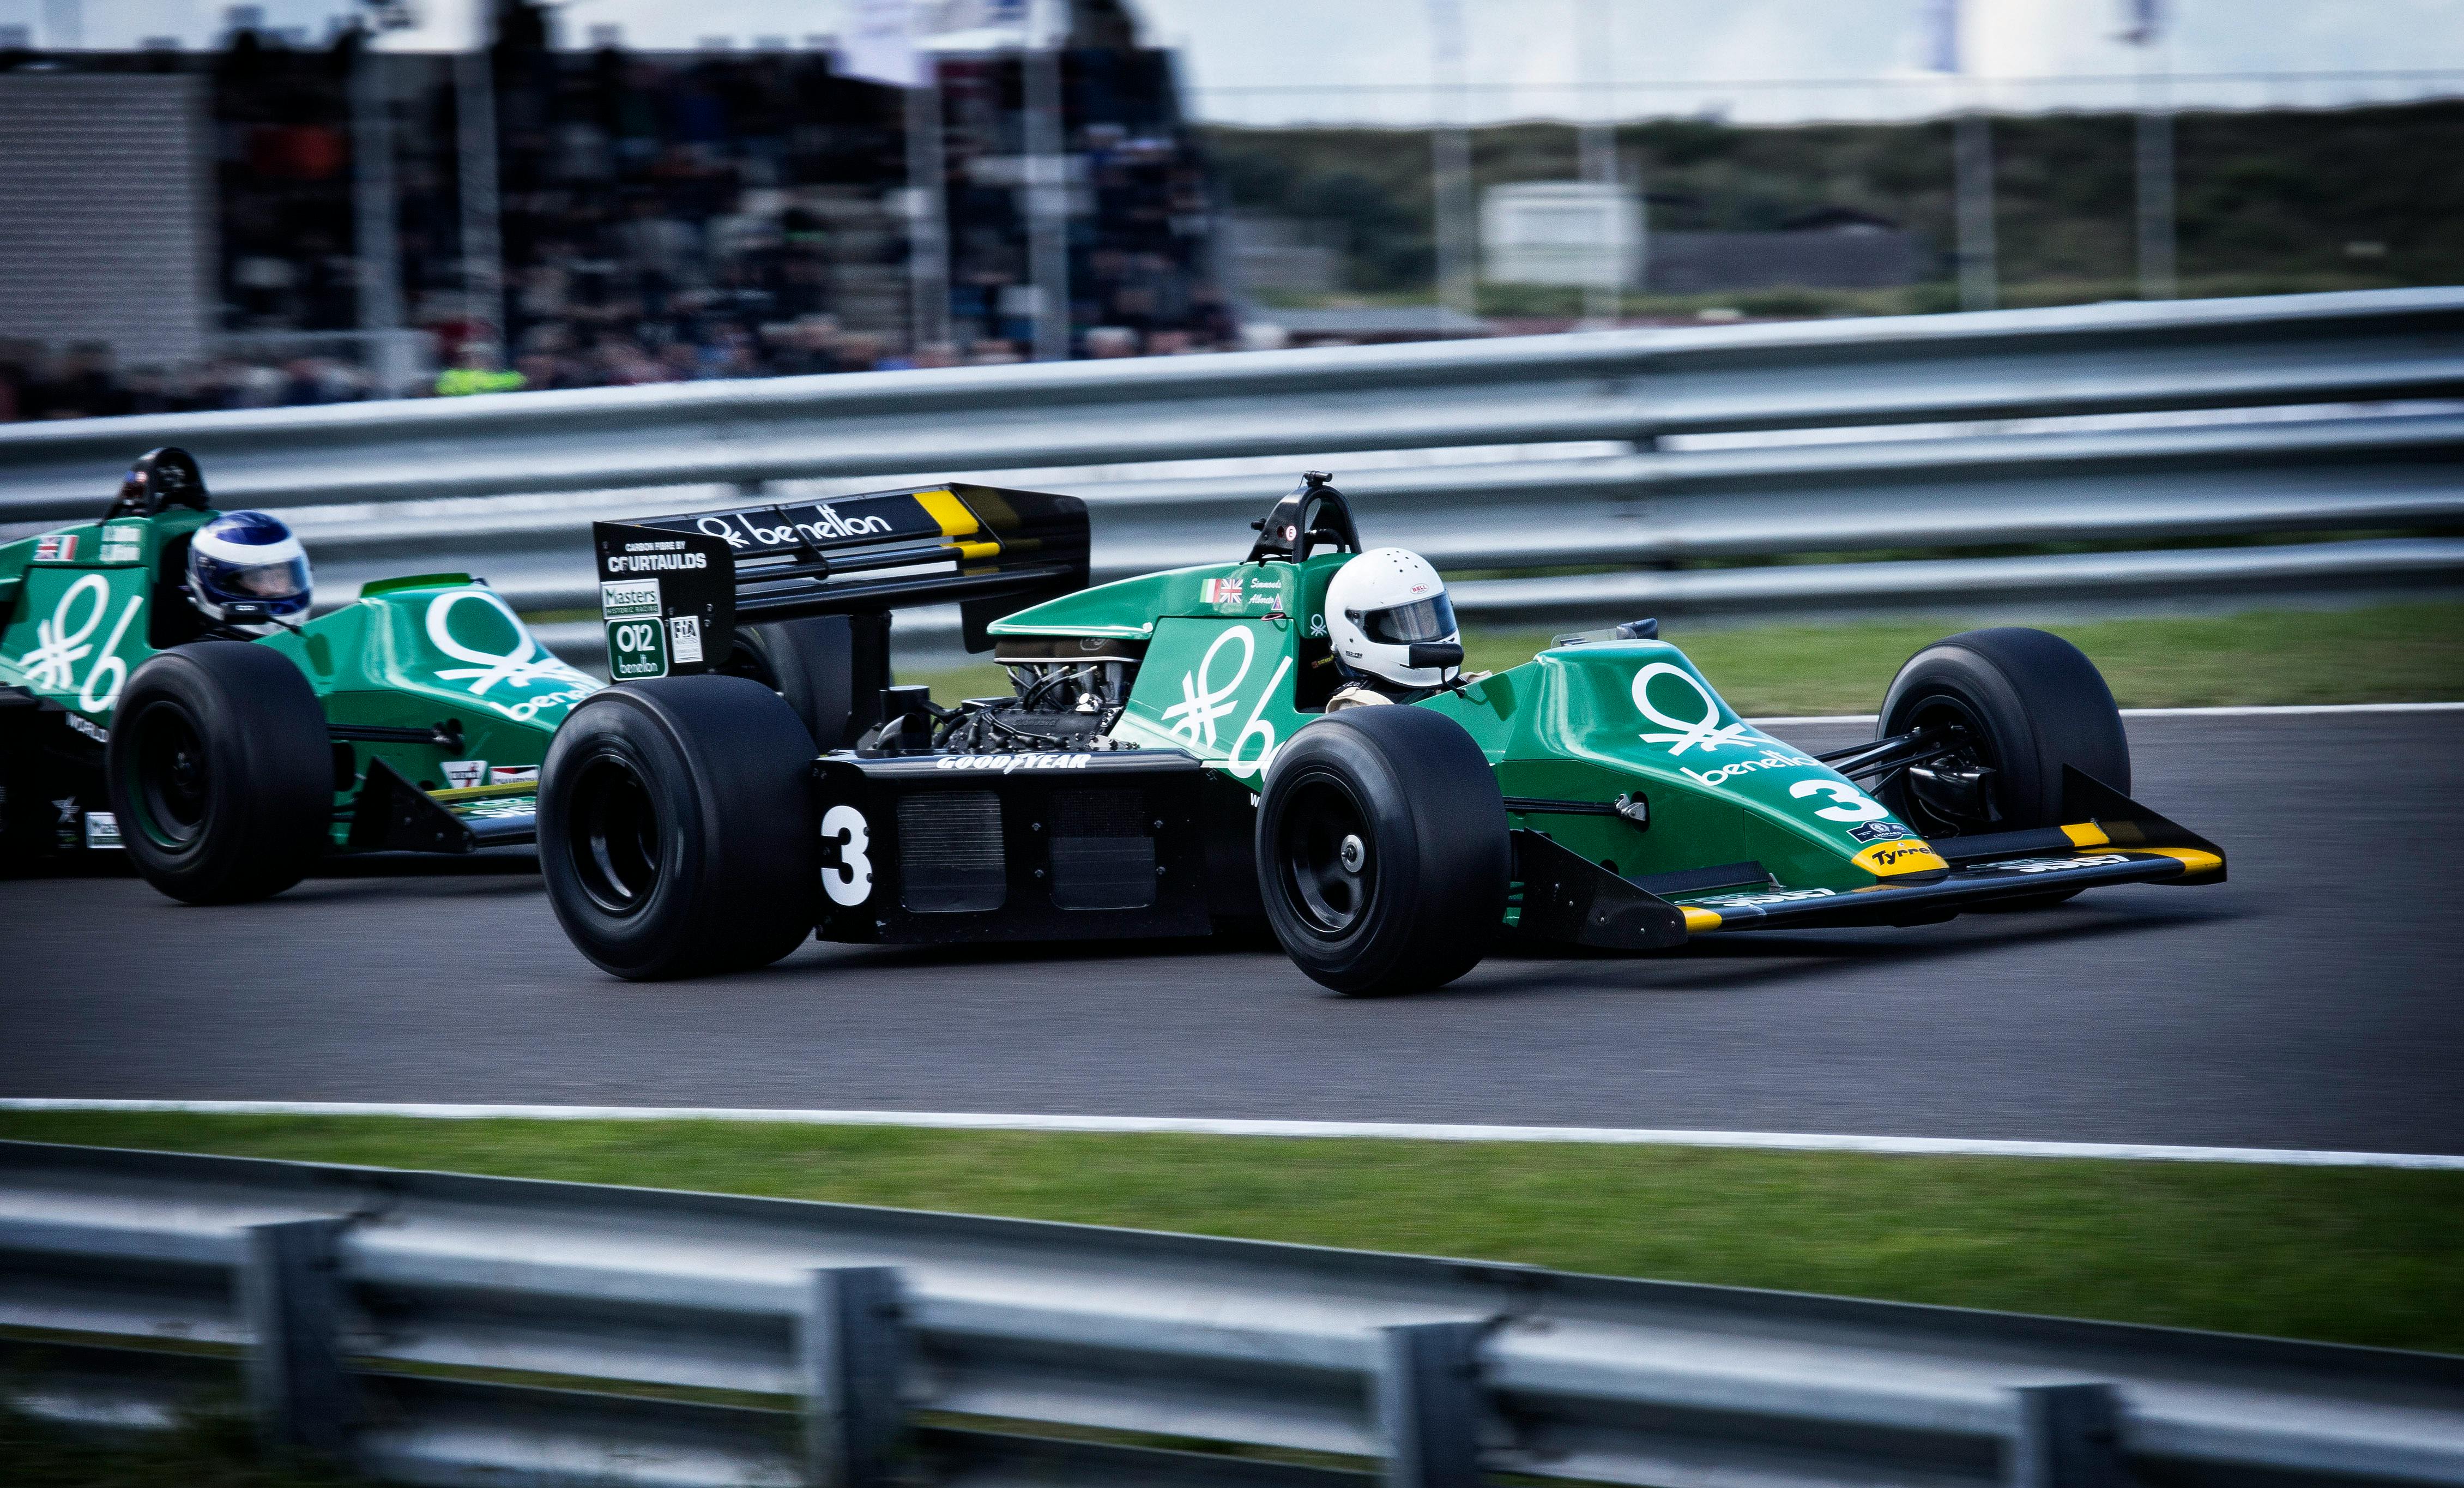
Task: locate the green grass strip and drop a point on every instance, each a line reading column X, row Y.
column 2385, row 654
column 2353, row 1256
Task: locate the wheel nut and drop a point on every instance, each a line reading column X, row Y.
column 1353, row 853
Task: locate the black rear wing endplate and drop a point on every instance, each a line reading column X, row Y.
column 673, row 590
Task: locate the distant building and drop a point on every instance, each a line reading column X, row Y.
column 1574, row 233
column 1581, row 232
column 1271, row 252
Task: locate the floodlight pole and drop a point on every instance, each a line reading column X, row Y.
column 1047, row 199
column 2157, row 276
column 1450, row 164
column 1596, row 141
column 1973, row 165
column 928, row 250
column 374, row 225
column 483, row 266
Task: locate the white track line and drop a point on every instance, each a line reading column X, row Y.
column 2288, row 710
column 1410, row 1131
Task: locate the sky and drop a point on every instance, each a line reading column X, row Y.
column 1288, row 61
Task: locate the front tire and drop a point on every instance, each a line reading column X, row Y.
column 221, row 773
column 2030, row 702
column 676, row 828
column 1382, row 851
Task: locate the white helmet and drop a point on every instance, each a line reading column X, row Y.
column 1380, row 605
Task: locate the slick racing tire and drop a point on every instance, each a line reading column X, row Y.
column 2030, row 702
column 1382, row 851
column 676, row 828
column 814, row 664
column 221, row 773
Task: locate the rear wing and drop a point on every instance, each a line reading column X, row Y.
column 673, row 590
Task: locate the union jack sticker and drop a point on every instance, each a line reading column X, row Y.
column 1223, row 591
column 58, row 548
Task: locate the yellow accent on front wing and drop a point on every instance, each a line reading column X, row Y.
column 1698, row 921
column 2086, row 835
column 456, row 796
column 1905, row 854
column 2194, row 860
column 945, row 508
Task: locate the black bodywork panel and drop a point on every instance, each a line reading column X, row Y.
column 1567, row 897
column 967, row 849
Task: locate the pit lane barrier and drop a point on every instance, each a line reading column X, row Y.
column 443, row 1329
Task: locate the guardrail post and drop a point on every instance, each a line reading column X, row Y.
column 851, row 1358
column 291, row 1295
column 2070, row 1437
column 1428, row 1404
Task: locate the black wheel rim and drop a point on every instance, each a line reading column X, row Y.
column 1320, row 815
column 1975, row 750
column 173, row 789
column 612, row 835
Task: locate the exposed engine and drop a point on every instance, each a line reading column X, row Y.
column 1068, row 694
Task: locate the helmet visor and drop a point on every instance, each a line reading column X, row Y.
column 1430, row 619
column 286, row 580
column 277, row 581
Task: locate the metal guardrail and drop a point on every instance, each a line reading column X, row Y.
column 436, row 1329
column 368, row 473
column 2136, row 485
column 1613, row 384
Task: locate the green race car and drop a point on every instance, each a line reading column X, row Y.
column 1170, row 763
column 224, row 749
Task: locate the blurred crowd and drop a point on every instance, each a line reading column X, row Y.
column 663, row 217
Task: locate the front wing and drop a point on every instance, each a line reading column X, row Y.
column 2109, row 839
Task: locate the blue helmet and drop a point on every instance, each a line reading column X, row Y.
column 251, row 558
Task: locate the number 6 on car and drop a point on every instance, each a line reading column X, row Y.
column 1287, row 739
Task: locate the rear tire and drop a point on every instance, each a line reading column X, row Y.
column 829, row 668
column 1382, row 851
column 2032, row 701
column 676, row 828
column 221, row 773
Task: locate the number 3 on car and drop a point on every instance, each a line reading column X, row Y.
column 846, row 874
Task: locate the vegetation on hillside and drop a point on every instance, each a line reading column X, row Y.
column 2348, row 197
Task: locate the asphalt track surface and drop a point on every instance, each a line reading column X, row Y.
column 2313, row 1001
